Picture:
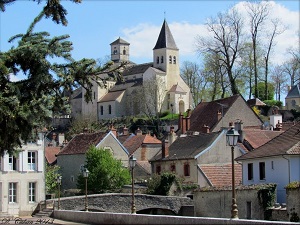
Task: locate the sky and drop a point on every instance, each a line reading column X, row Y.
column 94, row 24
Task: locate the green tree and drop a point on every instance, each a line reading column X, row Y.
column 105, row 172
column 261, row 91
column 51, row 176
column 30, row 103
column 161, row 184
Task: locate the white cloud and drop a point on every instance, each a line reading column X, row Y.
column 143, row 37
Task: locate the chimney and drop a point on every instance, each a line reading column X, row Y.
column 238, row 125
column 219, row 115
column 165, row 149
column 180, row 122
column 172, row 135
column 205, row 129
column 138, row 132
column 61, row 138
column 188, row 119
column 113, row 130
column 125, row 130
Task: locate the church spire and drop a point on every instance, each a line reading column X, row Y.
column 165, row 38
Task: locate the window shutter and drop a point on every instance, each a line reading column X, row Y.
column 40, row 160
column 25, row 161
column 21, row 161
column 5, row 162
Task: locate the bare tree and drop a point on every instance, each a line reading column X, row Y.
column 279, row 79
column 225, row 40
column 292, row 67
column 258, row 13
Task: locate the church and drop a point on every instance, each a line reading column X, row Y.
column 147, row 88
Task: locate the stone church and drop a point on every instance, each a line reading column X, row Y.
column 145, row 88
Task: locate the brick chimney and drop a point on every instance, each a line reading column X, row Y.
column 172, row 135
column 138, row 131
column 125, row 130
column 113, row 130
column 165, row 149
column 219, row 115
column 180, row 122
column 238, row 126
column 188, row 119
column 205, row 129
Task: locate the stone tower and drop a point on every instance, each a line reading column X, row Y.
column 119, row 51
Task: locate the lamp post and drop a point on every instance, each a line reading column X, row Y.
column 132, row 161
column 58, row 180
column 85, row 174
column 232, row 137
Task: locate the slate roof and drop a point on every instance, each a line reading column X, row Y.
column 136, row 69
column 206, row 113
column 287, row 143
column 294, row 92
column 133, row 143
column 81, row 142
column 111, row 96
column 255, row 102
column 165, row 38
column 120, row 86
column 187, row 147
column 50, row 154
column 145, row 165
column 221, row 175
column 120, row 41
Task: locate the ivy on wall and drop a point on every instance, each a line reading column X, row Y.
column 266, row 197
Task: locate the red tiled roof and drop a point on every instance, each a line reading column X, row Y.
column 221, row 175
column 133, row 143
column 206, row 113
column 81, row 142
column 286, row 143
column 258, row 137
column 50, row 154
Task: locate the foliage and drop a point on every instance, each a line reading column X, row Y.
column 105, row 172
column 295, row 113
column 256, row 110
column 51, row 176
column 273, row 103
column 28, row 104
column 161, row 184
column 266, row 197
column 261, row 91
column 293, row 185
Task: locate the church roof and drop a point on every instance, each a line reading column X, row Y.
column 111, row 96
column 120, row 86
column 165, row 38
column 120, row 41
column 177, row 89
column 294, row 92
column 136, row 69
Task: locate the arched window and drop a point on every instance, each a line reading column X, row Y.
column 186, row 169
column 124, row 51
column 157, row 60
column 109, row 109
column 170, row 59
column 158, row 169
column 174, row 59
column 101, row 109
column 162, row 59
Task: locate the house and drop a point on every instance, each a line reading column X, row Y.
column 71, row 158
column 292, row 100
column 143, row 147
column 219, row 113
column 193, row 156
column 22, row 179
column 160, row 78
column 277, row 161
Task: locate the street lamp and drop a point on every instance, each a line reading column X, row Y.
column 232, row 137
column 132, row 161
column 85, row 174
column 58, row 180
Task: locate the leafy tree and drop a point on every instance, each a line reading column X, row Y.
column 105, row 172
column 261, row 91
column 51, row 176
column 161, row 184
column 29, row 103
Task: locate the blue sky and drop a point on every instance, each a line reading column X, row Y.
column 93, row 25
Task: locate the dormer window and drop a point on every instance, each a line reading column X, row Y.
column 170, row 59
column 162, row 59
column 157, row 60
column 174, row 59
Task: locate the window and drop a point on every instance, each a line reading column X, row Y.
column 101, row 109
column 186, row 169
column 124, row 51
column 109, row 109
column 249, row 213
column 272, row 165
column 293, row 103
column 157, row 60
column 31, row 160
column 174, row 59
column 72, row 179
column 115, row 51
column 158, row 169
column 31, row 193
column 262, row 171
column 12, row 192
column 161, row 59
column 94, row 95
column 173, row 168
column 12, row 163
column 250, row 171
column 170, row 59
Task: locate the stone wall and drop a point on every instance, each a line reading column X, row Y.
column 293, row 202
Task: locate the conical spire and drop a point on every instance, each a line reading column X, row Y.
column 165, row 38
